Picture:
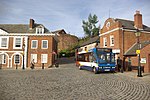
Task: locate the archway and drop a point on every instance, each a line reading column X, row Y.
column 20, row 59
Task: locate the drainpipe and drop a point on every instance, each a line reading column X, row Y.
column 123, row 49
column 26, row 41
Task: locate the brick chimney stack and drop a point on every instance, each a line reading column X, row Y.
column 138, row 20
column 31, row 25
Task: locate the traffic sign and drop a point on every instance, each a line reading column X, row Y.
column 137, row 51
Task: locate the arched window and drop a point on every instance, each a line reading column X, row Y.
column 17, row 59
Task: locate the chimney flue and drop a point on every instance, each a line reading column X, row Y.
column 31, row 23
column 138, row 20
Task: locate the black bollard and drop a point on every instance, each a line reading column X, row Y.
column 42, row 65
column 1, row 66
column 16, row 66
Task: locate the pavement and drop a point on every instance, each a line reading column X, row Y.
column 69, row 83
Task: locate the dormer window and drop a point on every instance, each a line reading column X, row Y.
column 39, row 30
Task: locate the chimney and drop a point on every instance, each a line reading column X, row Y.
column 31, row 24
column 138, row 20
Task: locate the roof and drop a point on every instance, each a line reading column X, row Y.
column 59, row 31
column 128, row 24
column 90, row 41
column 20, row 28
column 132, row 50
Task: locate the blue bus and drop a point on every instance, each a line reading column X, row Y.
column 96, row 60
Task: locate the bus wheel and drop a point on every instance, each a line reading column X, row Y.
column 80, row 68
column 94, row 70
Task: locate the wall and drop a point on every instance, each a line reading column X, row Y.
column 66, row 40
column 123, row 39
column 40, row 51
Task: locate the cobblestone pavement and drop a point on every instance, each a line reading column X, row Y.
column 69, row 83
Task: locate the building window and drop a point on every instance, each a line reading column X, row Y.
column 39, row 30
column 4, row 59
column 4, row 43
column 17, row 59
column 108, row 25
column 34, row 56
column 18, row 42
column 105, row 42
column 111, row 40
column 34, row 44
column 44, row 58
column 44, row 44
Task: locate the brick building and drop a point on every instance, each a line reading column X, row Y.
column 24, row 42
column 89, row 44
column 65, row 40
column 119, row 34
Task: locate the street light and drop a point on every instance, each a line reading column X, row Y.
column 138, row 33
column 23, row 56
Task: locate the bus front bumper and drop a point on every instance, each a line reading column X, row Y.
column 105, row 69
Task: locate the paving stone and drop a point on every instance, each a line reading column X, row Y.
column 69, row 83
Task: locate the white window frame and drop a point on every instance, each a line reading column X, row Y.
column 104, row 42
column 32, row 44
column 6, row 43
column 15, row 59
column 111, row 40
column 44, row 58
column 14, row 45
column 40, row 30
column 3, row 59
column 42, row 44
column 34, row 56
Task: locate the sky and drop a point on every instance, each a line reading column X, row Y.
column 69, row 14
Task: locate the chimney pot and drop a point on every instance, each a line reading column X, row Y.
column 137, row 12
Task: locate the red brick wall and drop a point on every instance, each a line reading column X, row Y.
column 40, row 51
column 66, row 40
column 121, row 37
column 10, row 48
column 145, row 53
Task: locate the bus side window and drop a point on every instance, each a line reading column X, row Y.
column 90, row 58
column 86, row 58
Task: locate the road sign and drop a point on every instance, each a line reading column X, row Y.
column 137, row 51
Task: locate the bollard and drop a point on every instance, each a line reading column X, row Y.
column 42, row 65
column 16, row 66
column 56, row 64
column 0, row 66
column 121, row 69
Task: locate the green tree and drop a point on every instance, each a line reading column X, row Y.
column 89, row 27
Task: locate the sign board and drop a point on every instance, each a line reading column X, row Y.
column 137, row 51
column 116, row 50
column 143, row 60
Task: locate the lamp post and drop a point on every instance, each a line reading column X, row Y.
column 138, row 33
column 23, row 56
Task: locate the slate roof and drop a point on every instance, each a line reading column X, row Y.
column 20, row 28
column 59, row 31
column 90, row 41
column 132, row 50
column 127, row 24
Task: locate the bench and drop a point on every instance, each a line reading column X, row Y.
column 136, row 68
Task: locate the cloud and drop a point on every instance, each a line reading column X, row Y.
column 68, row 14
